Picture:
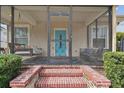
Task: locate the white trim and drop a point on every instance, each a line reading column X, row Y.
column 28, row 27
column 67, row 47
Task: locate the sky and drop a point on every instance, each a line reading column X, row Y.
column 120, row 11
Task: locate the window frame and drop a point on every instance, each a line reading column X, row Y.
column 3, row 42
column 106, row 39
column 28, row 30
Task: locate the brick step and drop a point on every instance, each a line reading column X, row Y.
column 61, row 82
column 61, row 73
column 59, row 67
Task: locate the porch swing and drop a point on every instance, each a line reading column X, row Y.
column 20, row 49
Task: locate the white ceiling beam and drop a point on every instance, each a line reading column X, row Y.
column 32, row 8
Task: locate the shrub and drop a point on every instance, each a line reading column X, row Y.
column 114, row 68
column 9, row 68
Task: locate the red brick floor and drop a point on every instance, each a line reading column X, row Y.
column 61, row 82
column 59, row 77
column 61, row 73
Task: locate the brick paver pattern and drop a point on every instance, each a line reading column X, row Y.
column 61, row 78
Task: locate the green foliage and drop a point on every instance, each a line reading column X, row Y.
column 114, row 68
column 119, row 35
column 9, row 68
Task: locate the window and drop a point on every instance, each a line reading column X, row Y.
column 21, row 35
column 3, row 33
column 101, row 37
column 101, row 41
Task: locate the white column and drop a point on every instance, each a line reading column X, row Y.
column 114, row 28
column 0, row 25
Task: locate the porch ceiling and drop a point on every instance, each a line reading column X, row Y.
column 35, row 14
column 120, row 18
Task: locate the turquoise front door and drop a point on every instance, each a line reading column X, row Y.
column 60, row 43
